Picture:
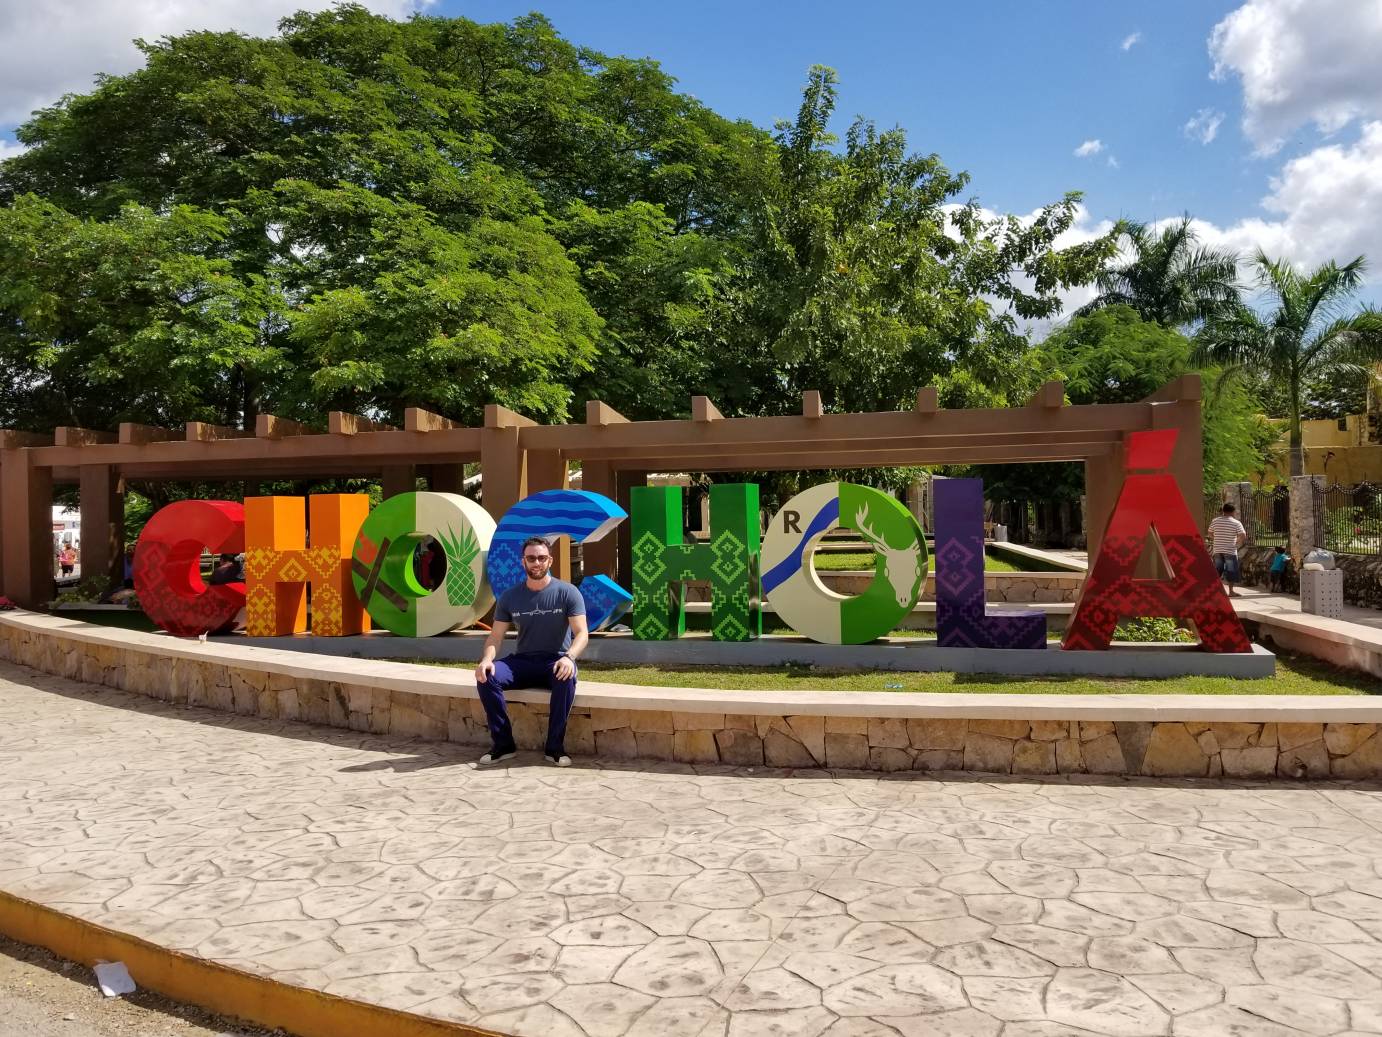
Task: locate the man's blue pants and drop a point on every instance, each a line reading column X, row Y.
column 528, row 670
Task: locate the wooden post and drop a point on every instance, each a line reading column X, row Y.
column 446, row 478
column 102, row 502
column 623, row 482
column 27, row 490
column 547, row 471
column 398, row 478
column 600, row 556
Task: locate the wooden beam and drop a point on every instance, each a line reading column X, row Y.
column 70, row 435
column 928, row 401
column 497, row 416
column 133, row 432
column 597, row 413
column 205, row 432
column 339, row 423
column 415, row 419
column 1185, row 389
column 703, row 410
column 13, row 439
column 271, row 426
column 1051, row 394
column 811, row 406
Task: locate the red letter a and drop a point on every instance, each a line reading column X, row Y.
column 1153, row 503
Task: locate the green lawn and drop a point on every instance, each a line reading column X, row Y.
column 1295, row 675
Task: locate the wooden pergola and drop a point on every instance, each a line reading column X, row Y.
column 518, row 457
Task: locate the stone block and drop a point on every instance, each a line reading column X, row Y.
column 929, row 733
column 580, row 736
column 698, row 721
column 1266, row 737
column 1252, row 762
column 529, row 730
column 887, row 758
column 1196, row 727
column 407, row 722
column 651, row 721
column 782, row 750
column 267, row 705
column 1068, row 757
column 1173, row 752
column 846, row 725
column 739, row 722
column 654, row 745
column 693, row 746
column 359, row 699
column 1209, row 745
column 1103, row 755
column 312, row 703
column 1364, row 762
column 939, row 760
column 888, row 733
column 1134, row 736
column 1288, row 736
column 847, row 751
column 616, row 742
column 608, row 719
column 222, row 696
column 1034, row 758
column 338, row 706
column 1342, row 739
column 739, row 747
column 1092, row 729
column 1234, row 735
column 1310, row 760
column 989, row 753
column 1000, row 728
column 1049, row 730
column 810, row 731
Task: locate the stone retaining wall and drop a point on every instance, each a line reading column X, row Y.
column 1172, row 748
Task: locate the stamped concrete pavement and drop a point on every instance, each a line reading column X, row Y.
column 626, row 900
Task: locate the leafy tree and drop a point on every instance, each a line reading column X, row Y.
column 1306, row 332
column 864, row 277
column 1166, row 278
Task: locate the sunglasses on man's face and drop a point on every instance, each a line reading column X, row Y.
column 531, row 559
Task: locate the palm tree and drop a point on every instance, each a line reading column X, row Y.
column 1168, row 279
column 1308, row 333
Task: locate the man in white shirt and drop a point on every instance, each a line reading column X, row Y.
column 1226, row 536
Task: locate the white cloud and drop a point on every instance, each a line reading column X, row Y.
column 1324, row 205
column 1113, row 162
column 1088, row 148
column 9, row 149
column 1204, row 125
column 1131, row 40
column 1301, row 61
column 58, row 46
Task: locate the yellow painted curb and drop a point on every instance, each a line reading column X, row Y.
column 215, row 987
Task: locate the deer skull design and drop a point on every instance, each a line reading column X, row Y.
column 901, row 565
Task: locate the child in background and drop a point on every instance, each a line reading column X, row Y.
column 1276, row 575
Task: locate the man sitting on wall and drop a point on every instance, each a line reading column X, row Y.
column 550, row 616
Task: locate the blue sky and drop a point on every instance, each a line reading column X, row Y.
column 1007, row 90
column 1262, row 118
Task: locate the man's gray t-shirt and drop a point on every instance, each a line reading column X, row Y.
column 541, row 616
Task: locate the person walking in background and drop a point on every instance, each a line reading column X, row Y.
column 1226, row 536
column 550, row 615
column 67, row 559
column 1276, row 575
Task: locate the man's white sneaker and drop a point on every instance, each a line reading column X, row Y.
column 559, row 761
column 497, row 757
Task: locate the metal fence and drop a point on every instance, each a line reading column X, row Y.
column 1349, row 518
column 1213, row 503
column 1269, row 520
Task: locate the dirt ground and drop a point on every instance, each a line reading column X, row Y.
column 44, row 996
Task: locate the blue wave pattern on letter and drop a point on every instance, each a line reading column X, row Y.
column 828, row 516
column 578, row 514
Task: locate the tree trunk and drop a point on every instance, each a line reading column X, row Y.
column 1297, row 452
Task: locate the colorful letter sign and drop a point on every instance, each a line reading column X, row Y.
column 796, row 592
column 579, row 514
column 961, row 620
column 167, row 565
column 662, row 561
column 382, row 569
column 279, row 565
column 1152, row 503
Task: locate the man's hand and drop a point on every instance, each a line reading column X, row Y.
column 484, row 671
column 564, row 668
